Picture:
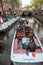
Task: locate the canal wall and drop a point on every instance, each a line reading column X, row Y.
column 39, row 17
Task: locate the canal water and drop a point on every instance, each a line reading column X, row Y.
column 5, row 45
column 6, row 42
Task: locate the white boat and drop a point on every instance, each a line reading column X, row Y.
column 26, row 46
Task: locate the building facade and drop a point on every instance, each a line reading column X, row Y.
column 5, row 4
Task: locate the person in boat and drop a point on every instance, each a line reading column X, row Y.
column 1, row 20
column 25, row 22
column 31, row 45
column 29, row 32
column 21, row 22
column 30, row 19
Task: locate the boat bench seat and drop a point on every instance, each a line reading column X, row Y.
column 36, row 42
column 15, row 47
column 21, row 50
column 38, row 50
column 16, row 44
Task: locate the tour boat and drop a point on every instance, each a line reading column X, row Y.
column 26, row 46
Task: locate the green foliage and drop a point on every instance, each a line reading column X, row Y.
column 16, row 4
column 28, row 6
column 36, row 2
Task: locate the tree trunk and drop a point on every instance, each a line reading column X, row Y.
column 1, row 5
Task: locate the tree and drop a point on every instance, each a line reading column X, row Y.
column 37, row 2
column 13, row 4
column 1, row 4
column 28, row 6
column 16, row 4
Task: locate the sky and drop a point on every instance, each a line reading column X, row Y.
column 25, row 2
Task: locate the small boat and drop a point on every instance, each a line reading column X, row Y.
column 7, row 24
column 26, row 46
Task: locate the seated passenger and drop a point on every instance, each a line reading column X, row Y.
column 28, row 34
column 20, row 28
column 31, row 45
column 21, row 22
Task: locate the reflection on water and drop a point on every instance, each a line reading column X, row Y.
column 39, row 30
column 5, row 45
column 2, row 45
column 2, row 49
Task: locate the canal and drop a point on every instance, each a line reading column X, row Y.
column 6, row 42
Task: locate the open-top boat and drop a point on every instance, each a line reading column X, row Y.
column 26, row 46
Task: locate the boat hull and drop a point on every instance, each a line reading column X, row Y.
column 26, row 57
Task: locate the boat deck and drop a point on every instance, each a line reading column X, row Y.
column 26, row 33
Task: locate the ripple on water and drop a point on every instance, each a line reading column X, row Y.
column 2, row 48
